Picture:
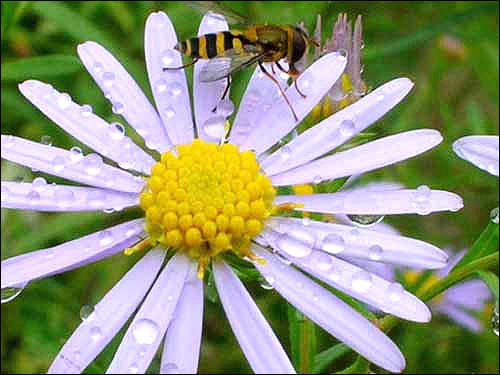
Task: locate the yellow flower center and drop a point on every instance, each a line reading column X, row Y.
column 207, row 199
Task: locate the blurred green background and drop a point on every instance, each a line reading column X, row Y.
column 449, row 49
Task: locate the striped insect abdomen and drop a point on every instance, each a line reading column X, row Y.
column 209, row 46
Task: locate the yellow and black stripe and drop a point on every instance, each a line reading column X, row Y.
column 209, row 46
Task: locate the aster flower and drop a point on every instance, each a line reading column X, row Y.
column 207, row 202
column 480, row 150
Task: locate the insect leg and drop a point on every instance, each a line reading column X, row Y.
column 182, row 66
column 226, row 91
column 294, row 73
column 279, row 87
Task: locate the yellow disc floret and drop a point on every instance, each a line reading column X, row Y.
column 206, row 199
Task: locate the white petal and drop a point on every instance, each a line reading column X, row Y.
column 124, row 93
column 338, row 128
column 169, row 88
column 108, row 317
column 64, row 198
column 106, row 139
column 314, row 82
column 207, row 95
column 348, row 242
column 361, row 159
column 256, row 338
column 146, row 331
column 183, row 339
column 257, row 100
column 480, row 150
column 393, row 202
column 90, row 169
column 73, row 254
column 332, row 314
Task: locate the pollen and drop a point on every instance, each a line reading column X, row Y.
column 206, row 199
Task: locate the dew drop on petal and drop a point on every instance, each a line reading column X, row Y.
column 106, row 238
column 93, row 164
column 145, row 331
column 175, row 89
column 133, row 369
column 333, row 243
column 167, row 58
column 395, row 292
column 306, row 221
column 95, row 333
column 317, row 179
column 225, row 108
column 9, row 293
column 116, row 131
column 161, row 86
column 58, row 164
column 170, row 368
column 306, row 82
column 494, row 215
column 214, row 127
column 39, row 184
column 347, row 128
column 64, row 196
column 108, row 79
column 375, row 252
column 118, row 108
column 365, row 221
column 85, row 110
column 293, row 246
column 494, row 319
column 169, row 112
column 46, row 140
column 285, row 153
column 321, row 261
column 361, row 281
column 97, row 68
column 87, row 312
column 76, row 154
column 33, row 197
column 267, row 282
column 64, row 101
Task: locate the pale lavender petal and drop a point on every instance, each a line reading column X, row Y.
column 471, row 294
column 146, row 331
column 384, row 270
column 348, row 242
column 480, row 150
column 461, row 317
column 169, row 88
column 89, row 169
column 453, row 261
column 329, row 312
column 125, row 95
column 183, row 339
column 40, row 196
column 42, row 263
column 314, row 82
column 338, row 128
column 393, row 202
column 258, row 99
column 207, row 95
column 256, row 338
column 361, row 159
column 108, row 317
column 106, row 139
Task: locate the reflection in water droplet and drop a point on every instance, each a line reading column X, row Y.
column 106, row 238
column 295, row 247
column 167, row 58
column 421, row 200
column 375, row 252
column 347, row 128
column 86, row 312
column 95, row 333
column 225, row 108
column 9, row 293
column 365, row 221
column 361, row 281
column 64, row 101
column 116, row 131
column 494, row 319
column 494, row 215
column 317, row 179
column 161, row 86
column 305, row 82
column 267, row 282
column 108, row 79
column 214, row 127
column 175, row 89
column 395, row 292
column 145, row 331
column 321, row 261
column 76, row 154
column 46, row 140
column 39, row 184
column 333, row 243
column 85, row 110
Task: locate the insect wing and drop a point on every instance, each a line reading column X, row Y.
column 221, row 67
column 216, row 9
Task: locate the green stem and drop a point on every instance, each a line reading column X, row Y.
column 303, row 341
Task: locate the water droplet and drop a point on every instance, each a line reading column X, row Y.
column 39, row 184
column 170, row 368
column 395, row 292
column 33, row 197
column 118, row 108
column 306, row 221
column 175, row 89
column 133, row 369
column 494, row 319
column 494, row 215
column 267, row 282
column 151, row 143
column 64, row 101
column 305, row 82
column 161, row 86
column 380, row 97
column 87, row 312
column 361, row 281
column 225, row 107
column 365, row 221
column 347, row 128
column 333, row 243
column 297, row 248
column 58, row 164
column 46, row 140
column 342, row 53
column 170, row 112
column 9, row 293
column 317, row 179
column 145, row 331
column 420, row 200
column 321, row 261
column 108, row 79
column 283, row 259
column 97, row 68
column 76, row 154
column 95, row 333
column 167, row 58
column 92, row 164
column 375, row 252
column 285, row 152
column 116, row 131
column 5, row 193
column 64, row 196
column 106, row 238
column 85, row 110
column 214, row 127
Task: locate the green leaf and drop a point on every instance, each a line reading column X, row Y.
column 302, row 339
column 486, row 244
column 327, row 357
column 491, row 280
column 8, row 13
column 360, row 366
column 40, row 67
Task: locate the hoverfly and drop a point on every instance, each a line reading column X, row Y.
column 231, row 51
